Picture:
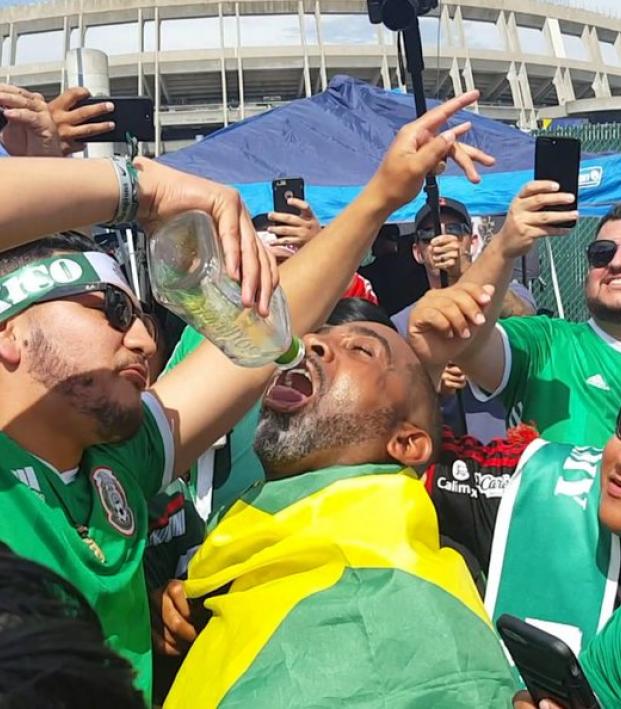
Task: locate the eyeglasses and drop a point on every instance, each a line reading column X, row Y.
column 118, row 307
column 459, row 230
column 600, row 253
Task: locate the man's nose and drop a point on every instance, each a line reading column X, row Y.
column 138, row 339
column 320, row 346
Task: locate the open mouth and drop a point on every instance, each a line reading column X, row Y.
column 291, row 390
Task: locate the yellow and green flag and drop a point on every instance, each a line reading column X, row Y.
column 330, row 589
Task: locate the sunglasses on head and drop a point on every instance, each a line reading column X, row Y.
column 600, row 253
column 118, row 307
column 459, row 230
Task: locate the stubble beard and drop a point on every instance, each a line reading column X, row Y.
column 283, row 440
column 47, row 365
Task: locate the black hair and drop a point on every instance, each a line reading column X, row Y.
column 613, row 215
column 52, row 649
column 350, row 310
column 22, row 255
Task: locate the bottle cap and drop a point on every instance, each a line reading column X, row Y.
column 293, row 356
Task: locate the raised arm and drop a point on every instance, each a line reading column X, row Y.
column 483, row 359
column 205, row 395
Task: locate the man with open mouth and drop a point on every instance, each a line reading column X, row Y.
column 327, row 584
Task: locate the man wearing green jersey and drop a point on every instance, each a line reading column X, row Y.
column 561, row 376
column 82, row 448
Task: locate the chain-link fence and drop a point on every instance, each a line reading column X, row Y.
column 568, row 253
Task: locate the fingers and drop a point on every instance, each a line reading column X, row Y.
column 77, row 134
column 176, row 613
column 297, row 232
column 438, row 116
column 444, row 240
column 24, row 100
column 453, row 310
column 434, row 151
column 285, row 218
column 542, row 219
column 300, row 204
column 69, row 98
column 267, row 278
column 227, row 214
column 478, row 155
column 87, row 113
column 537, row 186
column 463, row 158
column 250, row 265
column 546, row 199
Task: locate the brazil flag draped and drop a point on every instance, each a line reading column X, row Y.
column 330, row 589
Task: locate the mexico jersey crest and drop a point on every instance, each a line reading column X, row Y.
column 114, row 500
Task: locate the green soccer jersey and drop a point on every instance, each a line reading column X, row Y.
column 42, row 508
column 562, row 377
column 244, row 468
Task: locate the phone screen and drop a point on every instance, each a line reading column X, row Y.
column 558, row 159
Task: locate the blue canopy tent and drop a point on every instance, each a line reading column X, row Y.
column 336, row 140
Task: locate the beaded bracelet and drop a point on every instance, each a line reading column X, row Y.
column 127, row 177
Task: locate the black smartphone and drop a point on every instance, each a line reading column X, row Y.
column 558, row 159
column 3, row 120
column 132, row 114
column 283, row 190
column 548, row 667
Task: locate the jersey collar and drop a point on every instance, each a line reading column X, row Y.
column 608, row 339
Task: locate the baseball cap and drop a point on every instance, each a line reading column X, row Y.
column 446, row 205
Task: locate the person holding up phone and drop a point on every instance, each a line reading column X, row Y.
column 560, row 375
column 293, row 231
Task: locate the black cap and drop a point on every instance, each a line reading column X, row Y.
column 446, row 205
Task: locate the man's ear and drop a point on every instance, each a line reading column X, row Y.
column 10, row 353
column 417, row 253
column 410, row 445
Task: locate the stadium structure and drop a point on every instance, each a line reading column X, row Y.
column 208, row 63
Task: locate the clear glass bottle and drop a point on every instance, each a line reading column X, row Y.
column 188, row 277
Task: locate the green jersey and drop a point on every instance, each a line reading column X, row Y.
column 601, row 662
column 562, row 377
column 232, row 467
column 105, row 497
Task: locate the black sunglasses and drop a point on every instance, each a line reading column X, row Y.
column 118, row 307
column 600, row 253
column 458, row 230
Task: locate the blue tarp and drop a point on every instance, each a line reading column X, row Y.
column 336, row 140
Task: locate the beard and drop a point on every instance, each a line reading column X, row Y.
column 83, row 392
column 601, row 311
column 283, row 440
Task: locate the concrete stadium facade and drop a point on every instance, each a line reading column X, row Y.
column 208, row 63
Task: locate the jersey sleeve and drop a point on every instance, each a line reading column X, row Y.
column 149, row 456
column 466, row 486
column 527, row 343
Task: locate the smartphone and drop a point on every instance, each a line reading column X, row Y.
column 548, row 667
column 3, row 120
column 558, row 159
column 283, row 190
column 133, row 115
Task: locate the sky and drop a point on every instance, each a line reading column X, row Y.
column 608, row 5
column 284, row 30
